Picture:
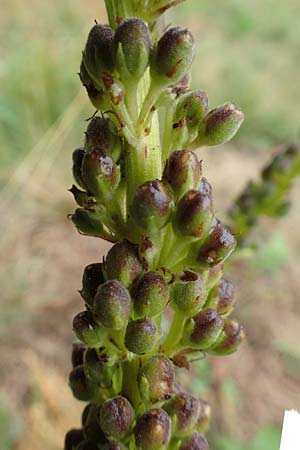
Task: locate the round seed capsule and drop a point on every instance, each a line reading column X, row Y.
column 116, row 417
column 82, row 388
column 97, row 369
column 207, row 327
column 102, row 134
column 87, row 329
column 195, row 442
column 91, row 280
column 91, row 429
column 72, row 439
column 218, row 245
column 182, row 171
column 112, row 304
column 141, row 336
column 230, row 340
column 156, row 378
column 150, row 295
column 189, row 293
column 184, row 409
column 153, row 430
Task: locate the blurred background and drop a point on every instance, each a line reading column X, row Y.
column 247, row 52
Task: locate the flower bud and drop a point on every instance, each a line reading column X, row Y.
column 91, row 429
column 196, row 442
column 99, row 173
column 78, row 350
column 77, row 157
column 174, row 56
column 150, row 295
column 102, row 134
column 156, row 378
column 132, row 46
column 204, row 329
column 116, row 417
column 220, row 125
column 189, row 293
column 151, row 206
column 72, row 439
column 204, row 417
column 83, row 389
column 112, row 304
column 153, row 430
column 122, row 263
column 194, row 212
column 97, row 369
column 91, row 280
column 87, row 223
column 191, row 108
column 96, row 96
column 184, row 411
column 97, row 54
column 218, row 245
column 87, row 330
column 182, row 172
column 141, row 336
column 230, row 339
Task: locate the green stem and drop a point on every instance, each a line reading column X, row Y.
column 130, row 381
column 175, row 333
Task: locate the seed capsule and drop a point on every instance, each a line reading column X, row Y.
column 229, row 341
column 226, row 296
column 182, row 172
column 204, row 417
column 189, row 293
column 72, row 439
column 132, row 46
column 102, row 134
column 218, row 245
column 194, row 212
column 205, row 329
column 91, row 430
column 184, row 409
column 78, row 350
column 81, row 197
column 116, row 417
column 91, row 280
column 97, row 54
column 100, row 174
column 220, row 125
column 196, row 442
column 77, row 158
column 191, row 108
column 112, row 304
column 87, row 330
column 151, row 206
column 87, row 223
column 156, row 378
column 122, row 263
column 83, row 389
column 153, row 430
column 96, row 96
column 150, row 295
column 141, row 336
column 174, row 56
column 97, row 369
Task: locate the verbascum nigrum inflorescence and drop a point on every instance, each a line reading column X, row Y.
column 139, row 185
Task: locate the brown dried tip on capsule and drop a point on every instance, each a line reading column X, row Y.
column 184, row 409
column 182, row 171
column 204, row 417
column 153, row 430
column 157, row 377
column 189, row 293
column 218, row 245
column 116, row 417
column 230, row 339
column 196, row 442
column 226, row 294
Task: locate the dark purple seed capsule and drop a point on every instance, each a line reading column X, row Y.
column 153, row 430
column 184, row 409
column 73, row 438
column 81, row 387
column 78, row 350
column 150, row 295
column 159, row 374
column 116, row 416
column 97, row 54
column 182, row 171
column 77, row 158
column 112, row 304
column 218, row 245
column 207, row 328
column 230, row 340
column 91, row 280
column 102, row 134
column 195, row 442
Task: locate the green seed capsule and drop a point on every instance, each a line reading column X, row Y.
column 141, row 336
column 102, row 134
column 195, row 442
column 97, row 54
column 100, row 174
column 112, row 304
column 78, row 350
column 156, row 378
column 122, row 263
column 98, row 369
column 194, row 212
column 77, row 157
column 150, row 295
column 116, row 417
column 229, row 341
column 87, row 330
column 72, row 439
column 83, row 389
column 151, row 206
column 220, row 125
column 191, row 108
column 174, row 56
column 91, row 280
column 184, row 409
column 218, row 245
column 153, row 430
column 87, row 223
column 182, row 172
column 204, row 417
column 189, row 293
column 96, row 96
column 91, row 429
column 132, row 46
column 204, row 329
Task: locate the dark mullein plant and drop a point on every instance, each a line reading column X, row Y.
column 139, row 185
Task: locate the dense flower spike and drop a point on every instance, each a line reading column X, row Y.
column 139, row 185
